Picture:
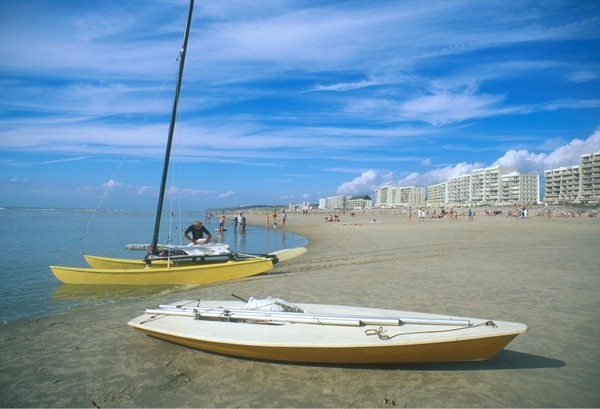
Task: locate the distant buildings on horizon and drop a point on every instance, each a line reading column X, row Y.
column 493, row 186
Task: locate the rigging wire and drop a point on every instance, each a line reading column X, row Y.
column 176, row 187
column 381, row 332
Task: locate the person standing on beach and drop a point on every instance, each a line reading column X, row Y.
column 283, row 217
column 274, row 219
column 470, row 214
column 198, row 231
column 240, row 220
column 222, row 223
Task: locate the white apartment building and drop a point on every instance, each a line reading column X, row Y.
column 519, row 188
column 486, row 184
column 360, row 202
column 334, row 202
column 345, row 202
column 459, row 190
column 497, row 185
column 398, row 196
column 590, row 178
column 562, row 184
column 574, row 184
column 296, row 207
column 436, row 194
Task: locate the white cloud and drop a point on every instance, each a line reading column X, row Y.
column 566, row 155
column 65, row 160
column 370, row 180
column 142, row 190
column 365, row 183
column 446, row 107
column 187, row 192
column 113, row 184
column 582, row 76
column 522, row 160
column 438, row 175
column 229, row 193
column 349, row 86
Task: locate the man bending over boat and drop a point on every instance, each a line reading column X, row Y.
column 198, row 231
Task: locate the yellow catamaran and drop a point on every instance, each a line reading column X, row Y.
column 180, row 265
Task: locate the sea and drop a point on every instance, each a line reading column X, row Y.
column 32, row 239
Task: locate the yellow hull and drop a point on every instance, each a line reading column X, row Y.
column 160, row 274
column 123, row 263
column 451, row 351
column 110, row 262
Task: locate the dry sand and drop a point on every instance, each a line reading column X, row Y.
column 543, row 272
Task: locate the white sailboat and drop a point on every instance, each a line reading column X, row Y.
column 276, row 330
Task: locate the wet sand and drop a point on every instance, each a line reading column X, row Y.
column 543, row 272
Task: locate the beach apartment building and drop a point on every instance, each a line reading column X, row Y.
column 519, row 188
column 343, row 202
column 590, row 178
column 437, row 194
column 574, row 184
column 493, row 186
column 459, row 190
column 334, row 202
column 562, row 184
column 360, row 202
column 399, row 196
column 486, row 184
column 497, row 185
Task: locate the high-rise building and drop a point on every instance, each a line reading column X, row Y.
column 497, row 185
column 399, row 196
column 574, row 184
column 590, row 178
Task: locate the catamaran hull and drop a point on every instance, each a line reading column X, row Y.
column 123, row 263
column 159, row 274
column 334, row 344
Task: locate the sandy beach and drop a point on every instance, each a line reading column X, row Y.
column 541, row 271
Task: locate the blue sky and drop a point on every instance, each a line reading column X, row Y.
column 287, row 101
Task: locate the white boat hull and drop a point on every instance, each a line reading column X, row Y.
column 281, row 340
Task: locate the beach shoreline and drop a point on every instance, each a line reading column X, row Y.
column 540, row 271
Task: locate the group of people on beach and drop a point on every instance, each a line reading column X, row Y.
column 332, row 218
column 274, row 215
column 197, row 233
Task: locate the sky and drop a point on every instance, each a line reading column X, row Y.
column 287, row 101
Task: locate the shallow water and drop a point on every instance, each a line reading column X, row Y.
column 34, row 239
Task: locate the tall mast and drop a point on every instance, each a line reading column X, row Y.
column 163, row 182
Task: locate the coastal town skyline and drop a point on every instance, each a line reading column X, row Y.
column 288, row 102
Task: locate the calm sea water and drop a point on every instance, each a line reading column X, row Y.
column 33, row 239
